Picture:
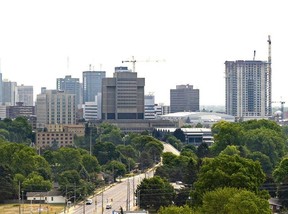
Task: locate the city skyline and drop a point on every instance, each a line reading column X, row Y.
column 174, row 43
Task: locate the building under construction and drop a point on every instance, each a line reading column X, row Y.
column 248, row 88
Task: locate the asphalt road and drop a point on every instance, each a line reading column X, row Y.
column 117, row 195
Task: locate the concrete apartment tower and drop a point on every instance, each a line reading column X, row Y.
column 248, row 88
column 123, row 95
column 92, row 84
column 55, row 107
column 71, row 86
column 184, row 99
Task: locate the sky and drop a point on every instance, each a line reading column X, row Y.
column 173, row 42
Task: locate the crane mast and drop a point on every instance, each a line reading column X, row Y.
column 269, row 82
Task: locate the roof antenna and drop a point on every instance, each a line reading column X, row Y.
column 254, row 55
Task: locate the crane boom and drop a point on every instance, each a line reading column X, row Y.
column 133, row 61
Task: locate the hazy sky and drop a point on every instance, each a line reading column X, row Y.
column 194, row 38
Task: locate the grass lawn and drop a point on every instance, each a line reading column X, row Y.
column 28, row 208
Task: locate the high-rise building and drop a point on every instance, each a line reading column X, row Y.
column 8, row 92
column 71, row 86
column 55, row 107
column 123, row 95
column 92, row 84
column 24, row 94
column 248, row 89
column 149, row 101
column 184, row 98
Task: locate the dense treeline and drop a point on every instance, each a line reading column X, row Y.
column 247, row 163
column 78, row 170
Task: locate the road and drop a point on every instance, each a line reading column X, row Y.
column 118, row 195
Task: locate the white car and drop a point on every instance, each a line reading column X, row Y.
column 89, row 201
column 108, row 206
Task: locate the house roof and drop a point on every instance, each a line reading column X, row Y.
column 44, row 194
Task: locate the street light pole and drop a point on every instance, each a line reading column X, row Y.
column 22, row 202
column 90, row 127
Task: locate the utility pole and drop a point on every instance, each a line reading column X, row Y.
column 102, row 196
column 19, row 197
column 90, row 139
column 128, row 196
column 138, row 198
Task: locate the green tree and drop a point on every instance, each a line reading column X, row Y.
column 229, row 200
column 90, row 163
column 116, row 168
column 68, row 158
column 127, row 151
column 203, row 150
column 35, row 182
column 175, row 142
column 225, row 134
column 230, row 150
column 264, row 161
column 105, row 152
column 114, row 136
column 6, row 182
column 280, row 175
column 179, row 134
column 155, row 192
column 176, row 210
column 155, row 149
column 228, row 171
column 266, row 141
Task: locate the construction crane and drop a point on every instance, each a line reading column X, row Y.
column 133, row 60
column 282, row 107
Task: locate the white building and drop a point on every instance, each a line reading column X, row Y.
column 50, row 197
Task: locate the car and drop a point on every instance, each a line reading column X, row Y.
column 108, row 206
column 89, row 201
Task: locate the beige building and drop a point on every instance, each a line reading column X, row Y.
column 59, row 134
column 55, row 107
column 49, row 139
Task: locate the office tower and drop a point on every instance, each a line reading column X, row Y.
column 123, row 95
column 248, row 89
column 184, row 98
column 71, row 86
column 149, row 102
column 55, row 107
column 24, row 94
column 8, row 92
column 92, row 84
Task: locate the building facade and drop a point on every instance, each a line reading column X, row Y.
column 24, row 94
column 55, row 107
column 248, row 89
column 150, row 113
column 71, row 86
column 92, row 84
column 184, row 98
column 123, row 95
column 19, row 111
column 8, row 92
